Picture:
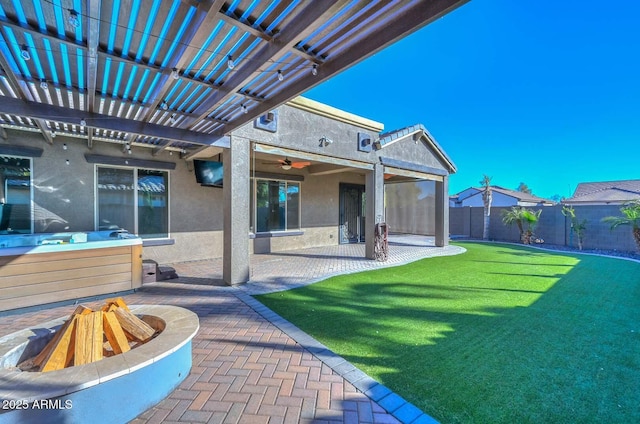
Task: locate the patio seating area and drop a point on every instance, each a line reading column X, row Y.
column 251, row 366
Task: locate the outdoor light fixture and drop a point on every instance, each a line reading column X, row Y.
column 43, row 84
column 245, row 109
column 174, row 74
column 67, row 162
column 53, row 135
column 314, row 70
column 230, row 63
column 83, row 122
column 164, row 105
column 286, row 166
column 73, row 18
column 280, row 75
column 25, row 52
column 64, row 146
column 173, row 118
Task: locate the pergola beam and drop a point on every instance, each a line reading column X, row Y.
column 39, row 35
column 22, row 90
column 93, row 35
column 232, row 20
column 42, row 111
column 205, row 10
column 306, row 21
column 411, row 19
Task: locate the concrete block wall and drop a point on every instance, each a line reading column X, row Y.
column 476, row 222
column 460, row 221
column 598, row 234
column 553, row 227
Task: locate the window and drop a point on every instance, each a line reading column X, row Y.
column 275, row 206
column 136, row 200
column 15, row 195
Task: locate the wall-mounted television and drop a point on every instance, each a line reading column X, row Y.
column 208, row 173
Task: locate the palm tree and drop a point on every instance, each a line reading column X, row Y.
column 577, row 226
column 487, row 197
column 631, row 212
column 525, row 219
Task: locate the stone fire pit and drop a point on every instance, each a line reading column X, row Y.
column 114, row 389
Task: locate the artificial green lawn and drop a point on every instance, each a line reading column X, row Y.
column 501, row 333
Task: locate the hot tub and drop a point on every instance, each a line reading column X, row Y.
column 37, row 269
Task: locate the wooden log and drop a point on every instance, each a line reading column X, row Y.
column 45, row 353
column 134, row 326
column 57, row 357
column 117, row 301
column 97, row 336
column 88, row 341
column 115, row 335
column 81, row 310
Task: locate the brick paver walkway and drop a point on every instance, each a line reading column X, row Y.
column 252, row 366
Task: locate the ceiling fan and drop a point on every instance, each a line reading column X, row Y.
column 286, row 164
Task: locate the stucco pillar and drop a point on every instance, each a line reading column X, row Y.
column 442, row 212
column 235, row 193
column 374, row 206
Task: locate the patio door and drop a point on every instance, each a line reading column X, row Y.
column 351, row 213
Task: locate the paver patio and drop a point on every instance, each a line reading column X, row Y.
column 250, row 365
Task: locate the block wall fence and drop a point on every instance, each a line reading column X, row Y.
column 553, row 227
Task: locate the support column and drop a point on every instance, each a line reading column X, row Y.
column 236, row 192
column 374, row 207
column 442, row 212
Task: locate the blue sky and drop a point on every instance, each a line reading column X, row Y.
column 542, row 92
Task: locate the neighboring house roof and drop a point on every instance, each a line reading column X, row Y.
column 418, row 131
column 606, row 192
column 518, row 195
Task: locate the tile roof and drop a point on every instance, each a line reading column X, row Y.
column 606, row 191
column 395, row 135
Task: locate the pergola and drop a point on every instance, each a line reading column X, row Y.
column 180, row 75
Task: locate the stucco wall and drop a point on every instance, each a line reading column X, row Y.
column 64, row 195
column 410, row 151
column 319, row 214
column 497, row 199
column 60, row 191
column 301, row 130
